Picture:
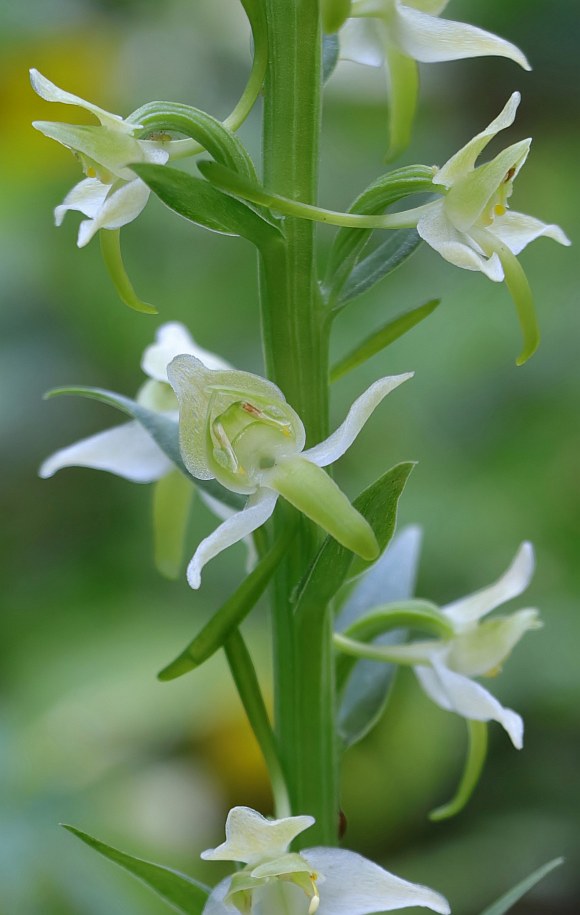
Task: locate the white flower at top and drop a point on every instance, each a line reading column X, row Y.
column 329, row 881
column 238, row 428
column 410, row 31
column 111, row 195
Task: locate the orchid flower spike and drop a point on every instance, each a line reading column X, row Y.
column 238, row 428
column 328, row 881
column 472, row 226
column 111, row 195
column 411, row 31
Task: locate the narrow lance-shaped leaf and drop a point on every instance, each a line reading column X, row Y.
column 201, row 203
column 382, row 338
column 183, row 893
column 384, row 259
column 163, row 429
column 514, row 895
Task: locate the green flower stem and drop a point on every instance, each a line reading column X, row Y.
column 246, row 681
column 295, row 328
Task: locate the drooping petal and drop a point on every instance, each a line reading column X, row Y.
column 456, row 693
column 223, row 512
column 171, row 340
column 51, row 93
column 122, row 206
column 516, row 230
column 88, row 196
column 438, row 231
column 464, row 160
column 250, row 837
column 126, row 450
column 109, row 151
column 483, row 649
column 429, row 39
column 512, row 583
column 257, row 510
column 336, row 444
column 354, row 885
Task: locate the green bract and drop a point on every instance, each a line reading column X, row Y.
column 238, row 428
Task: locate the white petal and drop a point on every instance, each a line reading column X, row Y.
column 464, row 160
column 51, row 93
column 484, row 648
column 107, row 151
column 456, row 693
column 457, row 247
column 127, row 450
column 517, row 230
column 223, row 512
column 336, row 444
column 428, row 39
column 353, row 885
column 250, row 837
column 122, row 206
column 258, row 509
column 88, row 196
column 215, row 905
column 171, row 340
column 359, row 43
column 512, row 583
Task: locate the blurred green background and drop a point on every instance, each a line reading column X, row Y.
column 87, row 735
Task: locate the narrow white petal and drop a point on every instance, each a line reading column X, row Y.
column 127, row 451
column 512, row 583
column 88, row 196
column 456, row 693
column 223, row 512
column 171, row 340
column 336, row 444
column 360, row 43
column 464, row 160
column 121, row 206
column 258, row 509
column 353, row 885
column 517, row 230
column 51, row 93
column 215, row 905
column 457, row 247
column 430, row 40
column 250, row 837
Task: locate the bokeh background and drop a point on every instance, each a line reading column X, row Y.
column 87, row 735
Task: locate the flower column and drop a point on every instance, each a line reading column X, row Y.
column 295, row 334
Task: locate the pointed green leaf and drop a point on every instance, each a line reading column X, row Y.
column 203, row 204
column 333, row 563
column 382, row 338
column 162, row 428
column 230, row 615
column 514, row 895
column 183, row 893
column 390, row 254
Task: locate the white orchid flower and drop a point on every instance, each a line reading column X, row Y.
column 329, row 881
column 238, row 428
column 411, row 31
column 111, row 195
column 472, row 226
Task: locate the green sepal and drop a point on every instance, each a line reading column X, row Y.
column 382, row 338
column 334, row 14
column 172, row 497
column 183, row 893
column 349, row 243
column 333, row 563
column 363, row 687
column 230, row 615
column 163, row 429
column 505, row 903
column 210, row 133
column 330, row 55
column 384, row 259
column 475, row 759
column 110, row 240
column 203, row 204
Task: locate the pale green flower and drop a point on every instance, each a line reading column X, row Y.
column 111, row 195
column 238, row 428
column 412, row 31
column 329, row 881
column 472, row 226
